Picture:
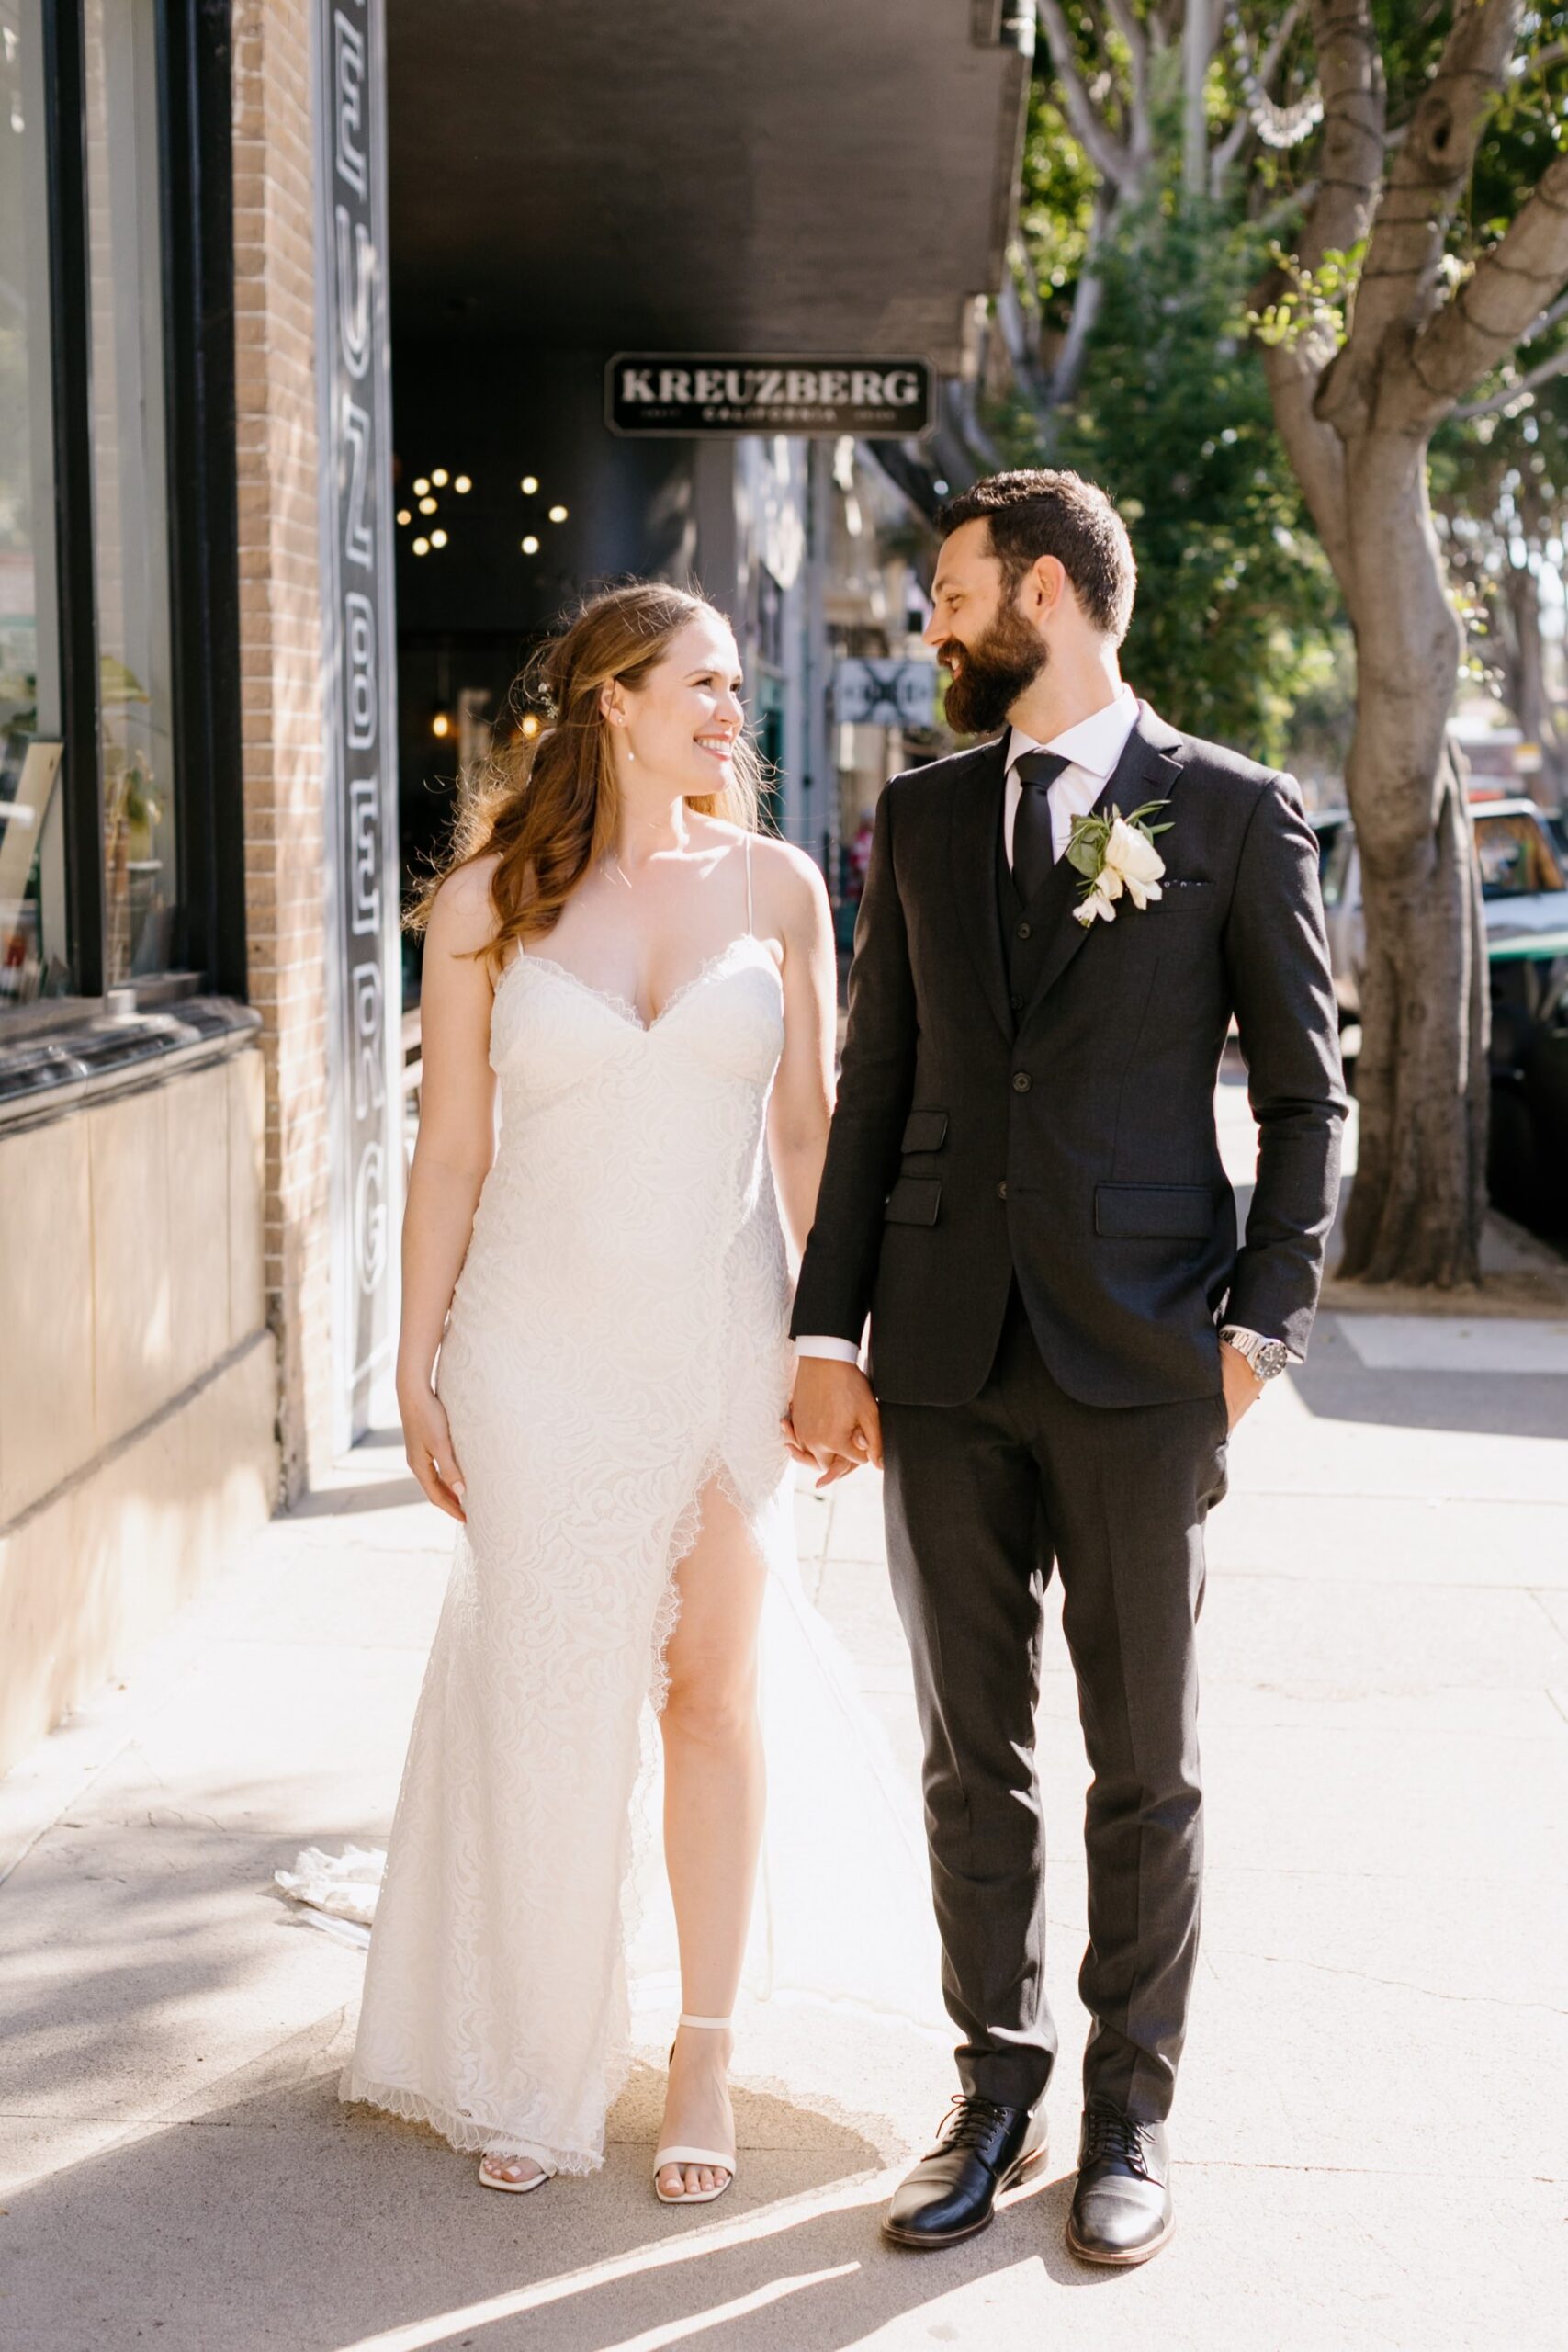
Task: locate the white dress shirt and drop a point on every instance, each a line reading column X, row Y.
column 1092, row 747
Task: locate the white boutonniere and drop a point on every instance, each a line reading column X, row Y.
column 1116, row 855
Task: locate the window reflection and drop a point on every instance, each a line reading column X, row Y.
column 1516, row 858
column 32, row 888
column 129, row 487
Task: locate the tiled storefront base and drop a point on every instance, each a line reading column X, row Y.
column 97, row 1566
column 139, row 1393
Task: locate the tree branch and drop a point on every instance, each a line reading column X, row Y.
column 1018, row 323
column 1349, row 69
column 1539, row 60
column 1111, row 159
column 1137, row 43
column 1316, row 450
column 1541, row 373
column 1400, row 283
column 1088, row 295
column 1503, row 295
column 1548, row 319
column 1349, row 73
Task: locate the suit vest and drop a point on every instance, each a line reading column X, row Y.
column 1028, row 931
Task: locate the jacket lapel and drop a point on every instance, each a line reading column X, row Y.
column 976, row 827
column 1147, row 770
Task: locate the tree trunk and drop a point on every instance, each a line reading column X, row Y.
column 1087, row 297
column 1526, row 691
column 1197, row 44
column 1419, row 1196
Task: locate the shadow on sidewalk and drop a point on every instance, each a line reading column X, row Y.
column 281, row 2217
column 1430, row 1387
column 372, row 1476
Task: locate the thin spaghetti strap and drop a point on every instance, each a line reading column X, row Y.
column 749, row 885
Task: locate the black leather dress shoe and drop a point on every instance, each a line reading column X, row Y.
column 980, row 2149
column 1122, row 2209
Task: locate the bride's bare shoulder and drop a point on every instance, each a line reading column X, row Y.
column 462, row 914
column 788, row 882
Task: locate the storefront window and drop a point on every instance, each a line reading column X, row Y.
column 130, row 489
column 33, row 951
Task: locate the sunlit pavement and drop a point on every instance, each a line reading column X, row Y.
column 1370, row 2133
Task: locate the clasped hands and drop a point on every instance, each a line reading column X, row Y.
column 832, row 1424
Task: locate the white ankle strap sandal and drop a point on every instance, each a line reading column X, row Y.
column 490, row 2179
column 715, row 2158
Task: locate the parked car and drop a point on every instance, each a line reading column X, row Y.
column 1523, row 884
column 1527, row 1160
column 1335, row 840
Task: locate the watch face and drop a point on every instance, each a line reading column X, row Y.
column 1271, row 1359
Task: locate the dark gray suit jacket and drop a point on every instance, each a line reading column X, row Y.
column 1072, row 1141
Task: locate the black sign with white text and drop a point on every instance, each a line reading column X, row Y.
column 679, row 393
column 364, row 953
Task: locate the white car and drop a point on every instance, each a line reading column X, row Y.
column 1524, row 887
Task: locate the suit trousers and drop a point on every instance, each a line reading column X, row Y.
column 982, row 1502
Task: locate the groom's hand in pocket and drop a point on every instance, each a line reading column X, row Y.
column 833, row 1422
column 1243, row 1388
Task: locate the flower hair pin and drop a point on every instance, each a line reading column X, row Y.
column 1116, row 855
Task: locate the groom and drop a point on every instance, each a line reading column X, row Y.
column 1023, row 1188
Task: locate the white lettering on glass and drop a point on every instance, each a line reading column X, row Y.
column 348, row 71
column 359, row 662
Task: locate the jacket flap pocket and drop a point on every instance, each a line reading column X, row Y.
column 924, row 1131
column 1154, row 1212
column 913, row 1201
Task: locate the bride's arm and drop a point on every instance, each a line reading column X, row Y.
column 793, row 905
column 452, row 1157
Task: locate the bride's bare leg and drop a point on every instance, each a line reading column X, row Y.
column 712, row 1819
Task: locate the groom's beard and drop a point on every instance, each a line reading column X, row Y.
column 990, row 674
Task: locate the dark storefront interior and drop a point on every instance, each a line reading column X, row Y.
column 569, row 183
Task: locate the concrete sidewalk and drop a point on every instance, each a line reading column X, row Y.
column 1370, row 2135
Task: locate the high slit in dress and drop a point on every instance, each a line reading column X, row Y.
column 615, row 1345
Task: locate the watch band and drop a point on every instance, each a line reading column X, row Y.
column 1266, row 1357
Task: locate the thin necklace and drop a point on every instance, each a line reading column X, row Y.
column 611, row 859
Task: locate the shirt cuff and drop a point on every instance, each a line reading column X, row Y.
column 836, row 1350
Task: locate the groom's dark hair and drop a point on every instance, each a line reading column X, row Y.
column 1038, row 512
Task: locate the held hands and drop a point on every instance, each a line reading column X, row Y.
column 832, row 1424
column 428, row 1441
column 1242, row 1386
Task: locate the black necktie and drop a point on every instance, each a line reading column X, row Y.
column 1033, row 852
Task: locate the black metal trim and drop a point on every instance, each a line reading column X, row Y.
column 41, row 1076
column 72, row 399
column 195, row 60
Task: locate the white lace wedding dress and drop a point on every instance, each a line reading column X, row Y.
column 616, row 1342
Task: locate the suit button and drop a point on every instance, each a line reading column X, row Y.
column 1002, row 1190
column 1016, row 1003
column 1020, row 1081
column 1025, row 929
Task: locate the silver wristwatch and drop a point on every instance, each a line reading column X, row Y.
column 1266, row 1357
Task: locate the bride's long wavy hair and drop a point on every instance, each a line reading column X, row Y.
column 545, row 807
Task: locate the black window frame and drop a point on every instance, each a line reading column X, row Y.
column 194, row 73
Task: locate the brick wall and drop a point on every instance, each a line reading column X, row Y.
column 280, row 622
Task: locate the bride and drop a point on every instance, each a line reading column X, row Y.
column 591, row 1373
